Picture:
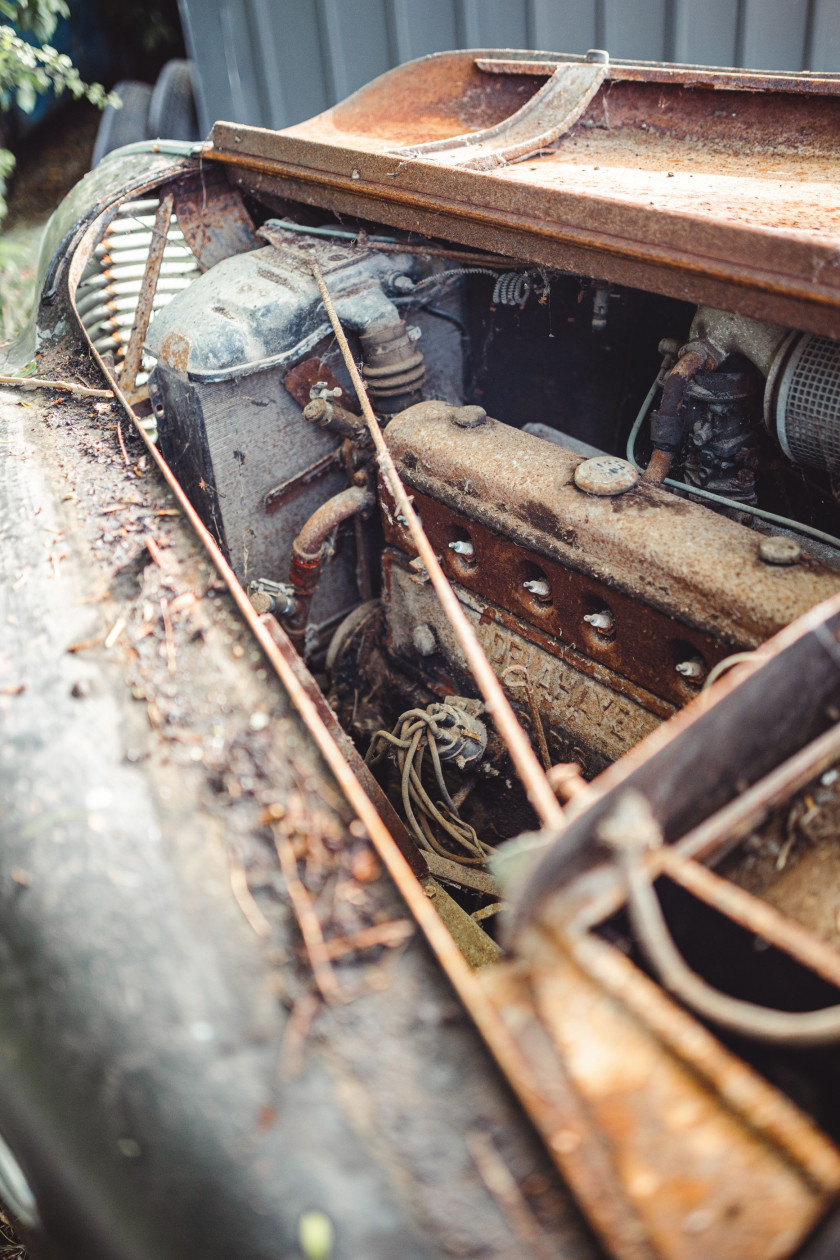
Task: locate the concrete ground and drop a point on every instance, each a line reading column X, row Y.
column 50, row 161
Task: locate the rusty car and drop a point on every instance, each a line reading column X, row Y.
column 421, row 679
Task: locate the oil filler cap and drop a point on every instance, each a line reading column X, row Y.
column 779, row 551
column 605, row 475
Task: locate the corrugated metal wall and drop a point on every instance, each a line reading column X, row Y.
column 275, row 62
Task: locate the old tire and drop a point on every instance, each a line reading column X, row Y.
column 172, row 112
column 126, row 125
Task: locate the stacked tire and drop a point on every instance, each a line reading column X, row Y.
column 165, row 111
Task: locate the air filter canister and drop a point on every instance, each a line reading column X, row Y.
column 802, row 401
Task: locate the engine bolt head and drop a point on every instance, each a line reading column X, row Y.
column 605, row 475
column 468, row 417
column 779, row 551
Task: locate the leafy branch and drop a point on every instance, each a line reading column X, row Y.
column 27, row 70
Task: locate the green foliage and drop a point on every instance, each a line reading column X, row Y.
column 37, row 16
column 28, row 70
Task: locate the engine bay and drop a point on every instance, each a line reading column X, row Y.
column 512, row 439
column 626, row 491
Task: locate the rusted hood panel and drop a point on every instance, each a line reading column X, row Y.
column 714, row 186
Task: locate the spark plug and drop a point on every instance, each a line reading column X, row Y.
column 694, row 670
column 600, row 621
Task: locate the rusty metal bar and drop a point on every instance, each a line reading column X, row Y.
column 530, row 771
column 289, row 490
column 750, row 912
column 134, row 350
column 738, row 1087
column 747, row 811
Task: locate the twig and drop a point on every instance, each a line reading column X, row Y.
column 536, row 716
column 154, row 551
column 391, row 934
column 295, row 1033
column 501, row 1183
column 170, row 638
column 126, row 460
column 84, row 644
column 245, row 898
column 310, row 927
column 528, row 767
column 115, row 632
column 35, row 382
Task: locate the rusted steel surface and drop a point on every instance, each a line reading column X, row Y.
column 143, row 313
column 718, row 193
column 212, row 217
column 717, row 748
column 697, row 567
column 716, row 834
column 302, row 380
column 601, row 893
column 556, row 107
column 645, row 646
column 820, row 84
column 750, row 912
column 714, row 1160
column 289, row 490
column 592, row 715
column 579, row 1148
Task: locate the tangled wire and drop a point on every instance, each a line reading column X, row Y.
column 512, row 288
column 416, row 732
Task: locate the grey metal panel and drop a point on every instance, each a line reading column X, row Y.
column 497, row 23
column 566, row 25
column 294, row 75
column 705, row 32
column 636, row 30
column 825, row 36
column 774, row 34
column 355, row 41
column 275, row 62
column 417, row 29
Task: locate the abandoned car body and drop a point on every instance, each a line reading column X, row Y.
column 504, row 397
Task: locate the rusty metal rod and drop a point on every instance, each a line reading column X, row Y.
column 749, row 912
column 308, row 552
column 530, row 771
column 631, row 831
column 134, row 352
column 716, row 835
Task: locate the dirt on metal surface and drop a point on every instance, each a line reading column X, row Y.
column 744, row 1174
column 702, row 569
column 680, row 189
column 205, row 720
